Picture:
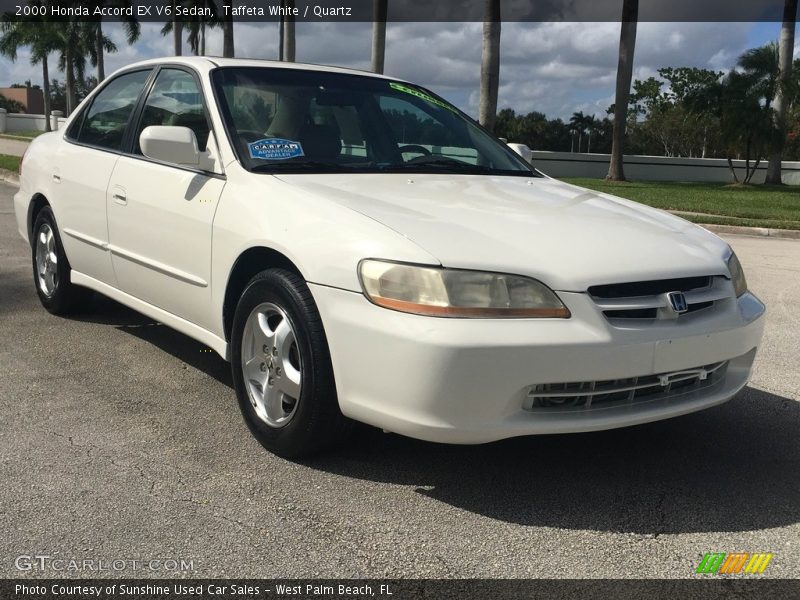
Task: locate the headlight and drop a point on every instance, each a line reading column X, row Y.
column 737, row 274
column 457, row 293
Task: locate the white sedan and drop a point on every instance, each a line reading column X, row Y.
column 360, row 250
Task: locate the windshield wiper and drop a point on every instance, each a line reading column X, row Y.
column 443, row 164
column 301, row 165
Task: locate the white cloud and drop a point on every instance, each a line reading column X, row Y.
column 554, row 68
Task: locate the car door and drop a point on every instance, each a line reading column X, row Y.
column 81, row 170
column 160, row 215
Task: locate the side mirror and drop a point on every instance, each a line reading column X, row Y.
column 169, row 143
column 521, row 149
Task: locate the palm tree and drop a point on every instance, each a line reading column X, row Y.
column 102, row 43
column 762, row 66
column 591, row 127
column 490, row 64
column 74, row 41
column 227, row 33
column 175, row 26
column 287, row 31
column 785, row 54
column 578, row 123
column 627, row 45
column 196, row 27
column 380, row 9
column 40, row 36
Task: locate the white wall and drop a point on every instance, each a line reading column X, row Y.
column 20, row 122
column 654, row 168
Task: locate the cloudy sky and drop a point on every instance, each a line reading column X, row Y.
column 554, row 68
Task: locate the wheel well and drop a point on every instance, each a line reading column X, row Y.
column 37, row 203
column 248, row 265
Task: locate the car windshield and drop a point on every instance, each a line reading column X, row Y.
column 291, row 120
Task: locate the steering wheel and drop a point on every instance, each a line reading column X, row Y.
column 414, row 148
column 250, row 135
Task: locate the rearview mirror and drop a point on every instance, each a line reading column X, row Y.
column 170, row 143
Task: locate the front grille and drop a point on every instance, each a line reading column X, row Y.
column 649, row 288
column 588, row 395
column 648, row 299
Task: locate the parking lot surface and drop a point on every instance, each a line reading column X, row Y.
column 122, row 439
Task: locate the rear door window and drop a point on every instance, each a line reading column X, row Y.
column 107, row 117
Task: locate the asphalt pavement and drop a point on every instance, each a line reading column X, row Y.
column 120, row 439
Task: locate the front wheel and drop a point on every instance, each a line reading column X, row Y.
column 282, row 369
column 51, row 270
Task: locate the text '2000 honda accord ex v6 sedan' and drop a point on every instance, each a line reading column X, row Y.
column 361, row 250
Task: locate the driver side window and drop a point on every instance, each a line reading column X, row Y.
column 175, row 100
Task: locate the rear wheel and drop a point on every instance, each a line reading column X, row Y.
column 282, row 368
column 51, row 270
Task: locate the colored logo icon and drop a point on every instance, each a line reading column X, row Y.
column 732, row 563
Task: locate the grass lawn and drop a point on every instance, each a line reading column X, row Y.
column 750, row 206
column 22, row 135
column 10, row 163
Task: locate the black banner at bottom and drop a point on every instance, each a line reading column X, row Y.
column 397, row 589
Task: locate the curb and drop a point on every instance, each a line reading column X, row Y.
column 787, row 234
column 10, row 177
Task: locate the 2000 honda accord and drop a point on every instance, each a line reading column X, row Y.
column 361, row 250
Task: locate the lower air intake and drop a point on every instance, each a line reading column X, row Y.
column 589, row 395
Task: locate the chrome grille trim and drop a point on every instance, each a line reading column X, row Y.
column 588, row 395
column 657, row 306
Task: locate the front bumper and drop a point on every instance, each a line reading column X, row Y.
column 21, row 204
column 468, row 380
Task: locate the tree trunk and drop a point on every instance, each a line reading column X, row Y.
column 589, row 143
column 753, row 172
column 572, row 143
column 379, row 35
column 202, row 39
column 580, row 141
column 490, row 64
column 98, row 46
column 747, row 162
column 227, row 36
column 177, row 35
column 46, row 92
column 627, row 45
column 785, row 55
column 69, row 80
column 733, row 171
column 288, row 34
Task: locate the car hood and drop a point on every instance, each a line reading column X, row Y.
column 568, row 237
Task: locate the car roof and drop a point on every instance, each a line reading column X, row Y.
column 206, row 63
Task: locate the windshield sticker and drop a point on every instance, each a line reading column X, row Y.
column 421, row 95
column 275, row 149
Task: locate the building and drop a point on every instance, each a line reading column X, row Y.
column 31, row 98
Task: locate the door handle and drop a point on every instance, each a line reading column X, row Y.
column 118, row 195
column 56, row 177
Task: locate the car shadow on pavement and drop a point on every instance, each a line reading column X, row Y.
column 735, row 467
column 109, row 312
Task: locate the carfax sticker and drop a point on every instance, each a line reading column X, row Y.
column 275, row 149
column 421, row 95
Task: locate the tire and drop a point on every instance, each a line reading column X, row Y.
column 282, row 370
column 51, row 269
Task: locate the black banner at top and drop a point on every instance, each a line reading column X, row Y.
column 398, row 10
